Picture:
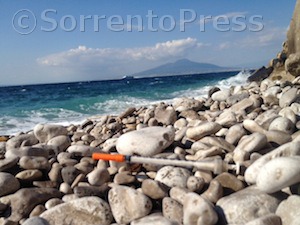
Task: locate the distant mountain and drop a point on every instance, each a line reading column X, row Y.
column 182, row 67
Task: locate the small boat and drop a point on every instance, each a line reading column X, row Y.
column 128, row 78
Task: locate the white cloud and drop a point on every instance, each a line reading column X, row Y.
column 120, row 61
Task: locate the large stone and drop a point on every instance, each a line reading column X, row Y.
column 286, row 150
column 289, row 97
column 29, row 175
column 292, row 64
column 198, row 211
column 260, row 74
column 279, row 173
column 21, row 140
column 154, row 189
column 86, row 210
column 45, row 132
column 127, row 204
column 23, row 201
column 27, row 162
column 221, row 96
column 252, row 143
column 183, row 104
column 247, row 205
column 230, row 181
column 204, row 129
column 98, row 177
column 8, row 184
column 288, row 210
column 146, row 142
column 235, row 133
column 62, row 142
column 173, row 176
column 166, row 116
column 172, row 210
column 27, row 151
column 8, row 163
column 156, row 218
column 293, row 35
column 282, row 124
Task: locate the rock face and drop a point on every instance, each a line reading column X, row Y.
column 145, row 142
column 293, row 35
column 247, row 205
column 128, row 204
column 86, row 210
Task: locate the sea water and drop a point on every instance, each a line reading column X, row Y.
column 22, row 107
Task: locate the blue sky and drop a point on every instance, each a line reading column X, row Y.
column 94, row 40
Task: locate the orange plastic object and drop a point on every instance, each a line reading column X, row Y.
column 109, row 157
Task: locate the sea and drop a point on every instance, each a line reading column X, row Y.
column 22, row 107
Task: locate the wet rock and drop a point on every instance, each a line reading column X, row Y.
column 86, row 210
column 23, row 201
column 279, row 173
column 8, row 184
column 173, row 176
column 128, row 204
column 172, row 210
column 198, row 211
column 204, row 129
column 288, row 210
column 246, row 205
column 45, row 132
column 146, row 142
column 260, row 74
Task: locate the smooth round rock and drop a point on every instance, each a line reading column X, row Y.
column 214, row 191
column 195, row 184
column 154, row 189
column 288, row 210
column 198, row 211
column 86, row 210
column 204, row 129
column 8, row 184
column 53, row 202
column 173, row 176
column 62, row 142
column 279, row 173
column 21, row 140
column 29, row 175
column 252, row 143
column 221, row 96
column 282, row 124
column 270, row 219
column 69, row 174
column 98, row 177
column 128, row 204
column 288, row 97
column 40, row 163
column 81, row 150
column 124, row 178
column 145, row 142
column 235, row 133
column 166, row 116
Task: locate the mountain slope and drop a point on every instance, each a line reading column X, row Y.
column 180, row 67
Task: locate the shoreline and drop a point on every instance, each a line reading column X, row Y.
column 244, row 126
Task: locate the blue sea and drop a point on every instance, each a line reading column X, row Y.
column 22, row 107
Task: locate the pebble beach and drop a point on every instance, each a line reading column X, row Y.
column 48, row 175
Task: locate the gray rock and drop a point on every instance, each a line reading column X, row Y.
column 45, row 132
column 279, row 173
column 124, row 178
column 227, row 119
column 214, row 191
column 27, row 151
column 81, row 150
column 21, row 140
column 288, row 210
column 172, row 210
column 154, row 189
column 31, row 162
column 53, row 202
column 69, row 174
column 8, row 184
column 230, row 181
column 178, row 194
column 23, row 201
column 183, row 104
column 62, row 142
column 173, row 176
column 166, row 116
column 260, row 74
column 198, row 211
column 235, row 133
column 8, row 163
column 204, row 129
column 35, row 221
column 247, row 205
column 146, row 142
column 155, row 218
column 195, row 184
column 282, row 124
column 218, row 142
column 128, row 204
column 288, row 97
column 252, row 143
column 86, row 210
column 245, row 104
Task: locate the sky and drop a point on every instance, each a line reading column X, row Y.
column 65, row 41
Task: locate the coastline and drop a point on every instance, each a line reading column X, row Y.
column 245, row 126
